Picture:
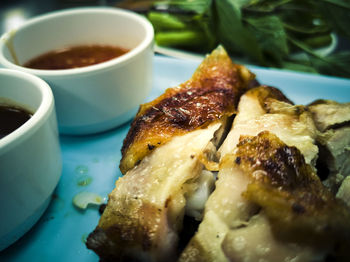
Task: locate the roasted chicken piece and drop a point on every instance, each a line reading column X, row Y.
column 329, row 114
column 267, row 109
column 162, row 159
column 211, row 93
column 260, row 109
column 269, row 205
column 333, row 121
column 299, row 219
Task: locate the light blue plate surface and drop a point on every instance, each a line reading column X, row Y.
column 60, row 233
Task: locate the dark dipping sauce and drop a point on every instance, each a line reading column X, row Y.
column 11, row 118
column 74, row 57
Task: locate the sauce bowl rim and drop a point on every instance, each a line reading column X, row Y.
column 118, row 61
column 39, row 116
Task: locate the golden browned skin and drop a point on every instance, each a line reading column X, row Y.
column 299, row 207
column 211, row 93
column 291, row 196
column 269, row 205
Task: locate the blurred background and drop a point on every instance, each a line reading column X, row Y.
column 303, row 35
column 15, row 12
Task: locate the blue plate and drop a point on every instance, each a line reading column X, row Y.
column 90, row 163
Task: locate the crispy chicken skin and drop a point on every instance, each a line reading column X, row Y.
column 269, row 205
column 303, row 219
column 211, row 93
column 162, row 162
column 294, row 199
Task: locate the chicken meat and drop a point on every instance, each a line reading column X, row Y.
column 164, row 163
column 269, row 204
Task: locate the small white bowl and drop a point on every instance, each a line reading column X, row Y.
column 30, row 157
column 98, row 97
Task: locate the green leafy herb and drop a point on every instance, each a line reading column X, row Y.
column 276, row 33
column 270, row 34
column 231, row 31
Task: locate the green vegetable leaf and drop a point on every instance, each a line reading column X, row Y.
column 197, row 6
column 337, row 13
column 162, row 21
column 303, row 17
column 242, row 3
column 307, row 29
column 267, row 32
column 231, row 32
column 265, row 5
column 184, row 38
column 340, row 3
column 298, row 66
column 337, row 64
column 204, row 22
column 271, row 36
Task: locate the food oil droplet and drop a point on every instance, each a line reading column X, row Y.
column 84, row 180
column 81, row 169
column 84, row 238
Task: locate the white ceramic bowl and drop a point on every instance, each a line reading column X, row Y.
column 30, row 157
column 98, row 97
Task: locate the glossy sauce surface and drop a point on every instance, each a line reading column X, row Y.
column 11, row 118
column 74, row 57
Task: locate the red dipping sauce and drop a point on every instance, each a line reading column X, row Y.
column 74, row 57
